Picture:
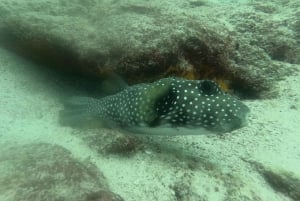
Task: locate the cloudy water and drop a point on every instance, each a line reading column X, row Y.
column 135, row 100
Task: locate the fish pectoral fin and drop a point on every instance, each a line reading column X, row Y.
column 159, row 94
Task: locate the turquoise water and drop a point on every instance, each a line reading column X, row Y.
column 51, row 51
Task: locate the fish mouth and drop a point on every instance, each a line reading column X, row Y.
column 236, row 123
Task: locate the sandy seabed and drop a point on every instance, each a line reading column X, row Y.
column 29, row 108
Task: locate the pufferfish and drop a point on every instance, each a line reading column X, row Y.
column 149, row 108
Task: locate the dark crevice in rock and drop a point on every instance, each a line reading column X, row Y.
column 52, row 52
column 148, row 66
column 242, row 89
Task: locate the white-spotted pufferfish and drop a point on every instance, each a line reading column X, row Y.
column 176, row 103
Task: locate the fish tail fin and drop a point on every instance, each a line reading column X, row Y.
column 78, row 111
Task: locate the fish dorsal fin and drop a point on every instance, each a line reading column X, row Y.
column 112, row 84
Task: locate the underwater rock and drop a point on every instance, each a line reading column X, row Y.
column 140, row 41
column 36, row 172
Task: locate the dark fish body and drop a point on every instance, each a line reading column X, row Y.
column 170, row 102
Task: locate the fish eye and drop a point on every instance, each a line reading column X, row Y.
column 208, row 87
